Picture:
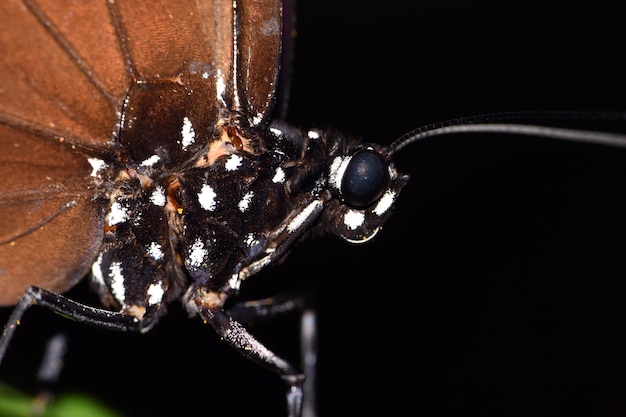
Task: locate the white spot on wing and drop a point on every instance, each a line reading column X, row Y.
column 206, row 197
column 233, row 162
column 353, row 219
column 245, row 201
column 189, row 135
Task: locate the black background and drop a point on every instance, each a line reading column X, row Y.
column 496, row 287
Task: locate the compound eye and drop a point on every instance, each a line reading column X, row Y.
column 365, row 179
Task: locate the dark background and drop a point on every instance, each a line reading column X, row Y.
column 497, row 286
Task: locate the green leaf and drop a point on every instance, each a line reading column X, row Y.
column 17, row 404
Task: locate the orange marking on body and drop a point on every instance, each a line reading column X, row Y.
column 228, row 140
column 172, row 185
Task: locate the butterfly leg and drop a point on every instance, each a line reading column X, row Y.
column 308, row 349
column 289, row 302
column 240, row 339
column 48, row 374
column 69, row 308
column 271, row 307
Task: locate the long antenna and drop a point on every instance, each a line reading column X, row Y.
column 502, row 123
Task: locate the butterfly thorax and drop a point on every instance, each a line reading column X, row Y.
column 206, row 225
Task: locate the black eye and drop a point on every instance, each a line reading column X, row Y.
column 365, row 178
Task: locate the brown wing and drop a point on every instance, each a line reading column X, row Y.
column 65, row 70
column 50, row 229
column 62, row 83
column 61, row 70
column 234, row 45
column 259, row 48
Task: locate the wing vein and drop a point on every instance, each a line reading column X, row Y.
column 71, row 51
column 39, row 224
column 46, row 133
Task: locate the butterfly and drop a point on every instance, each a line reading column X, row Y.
column 379, row 255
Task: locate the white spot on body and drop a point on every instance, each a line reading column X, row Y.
column 155, row 251
column 117, row 281
column 234, row 282
column 385, row 202
column 96, row 272
column 353, row 219
column 304, row 215
column 275, row 131
column 250, row 240
column 312, row 134
column 155, row 293
column 197, row 254
column 257, row 119
column 96, row 165
column 158, row 196
column 189, row 135
column 245, row 201
column 233, row 162
column 207, row 197
column 117, row 214
column 150, row 161
column 337, row 171
column 279, row 176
